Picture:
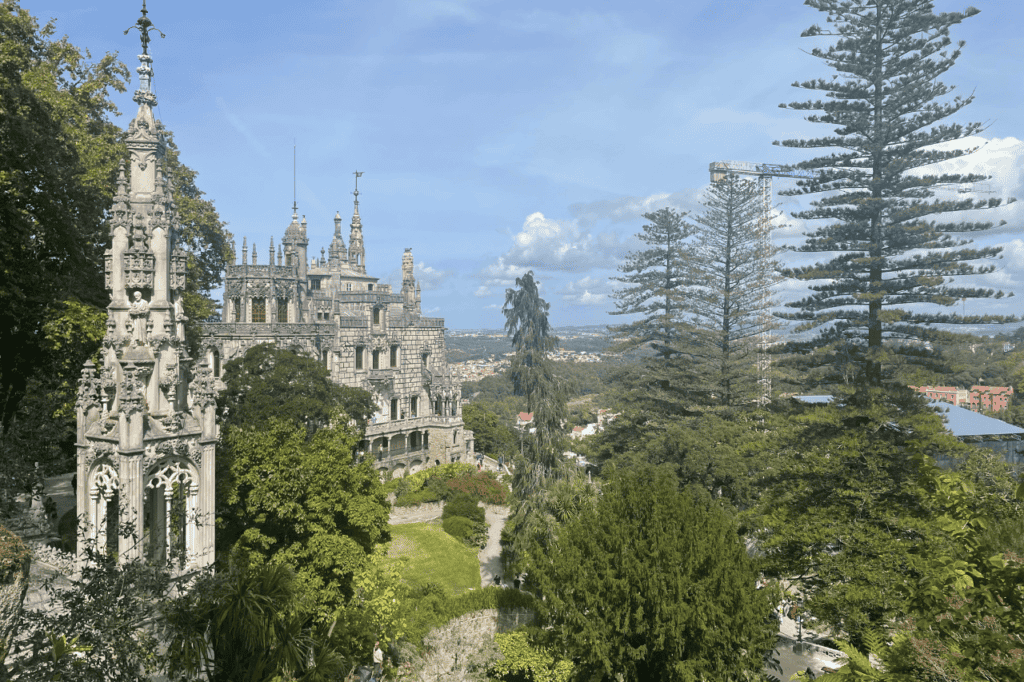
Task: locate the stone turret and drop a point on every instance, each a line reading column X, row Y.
column 338, row 253
column 408, row 283
column 145, row 417
column 296, row 243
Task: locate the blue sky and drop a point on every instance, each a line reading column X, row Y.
column 498, row 137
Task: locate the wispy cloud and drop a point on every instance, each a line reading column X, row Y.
column 429, row 278
column 242, row 129
column 430, row 10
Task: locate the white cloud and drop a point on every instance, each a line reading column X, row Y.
column 588, row 291
column 483, row 292
column 501, row 274
column 559, row 245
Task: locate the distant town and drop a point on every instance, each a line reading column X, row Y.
column 477, row 353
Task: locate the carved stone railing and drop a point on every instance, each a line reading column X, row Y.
column 242, row 329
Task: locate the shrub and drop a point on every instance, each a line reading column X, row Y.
column 13, row 555
column 522, row 659
column 460, row 528
column 414, row 482
column 481, row 485
column 465, row 506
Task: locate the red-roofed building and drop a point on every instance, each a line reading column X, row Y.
column 524, row 418
column 990, row 398
column 978, row 398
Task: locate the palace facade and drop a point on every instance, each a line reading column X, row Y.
column 364, row 333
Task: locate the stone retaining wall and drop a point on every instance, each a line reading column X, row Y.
column 478, row 627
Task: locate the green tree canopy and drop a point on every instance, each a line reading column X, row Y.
column 61, row 154
column 889, row 236
column 56, row 172
column 271, row 382
column 654, row 583
column 202, row 235
column 248, row 623
column 493, row 436
column 304, row 502
column 842, row 513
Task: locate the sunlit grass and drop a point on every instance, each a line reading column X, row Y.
column 428, row 554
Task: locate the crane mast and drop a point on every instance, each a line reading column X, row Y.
column 764, row 173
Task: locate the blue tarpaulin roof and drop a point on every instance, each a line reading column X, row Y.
column 960, row 421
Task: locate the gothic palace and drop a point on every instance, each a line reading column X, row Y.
column 365, row 334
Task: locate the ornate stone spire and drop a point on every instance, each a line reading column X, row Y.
column 145, row 70
column 356, row 254
column 139, row 417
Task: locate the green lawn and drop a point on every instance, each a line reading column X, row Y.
column 428, row 554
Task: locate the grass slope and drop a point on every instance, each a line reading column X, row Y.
column 428, row 554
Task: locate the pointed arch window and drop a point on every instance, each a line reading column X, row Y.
column 259, row 310
column 172, row 494
column 104, row 503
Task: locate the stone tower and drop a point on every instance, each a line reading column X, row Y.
column 146, row 416
column 410, row 289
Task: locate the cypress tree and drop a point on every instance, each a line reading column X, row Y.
column 526, row 323
column 891, row 242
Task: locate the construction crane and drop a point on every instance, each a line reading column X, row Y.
column 764, row 173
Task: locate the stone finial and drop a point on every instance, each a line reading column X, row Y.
column 145, row 27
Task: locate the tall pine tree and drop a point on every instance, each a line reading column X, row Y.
column 731, row 299
column 655, row 280
column 889, row 238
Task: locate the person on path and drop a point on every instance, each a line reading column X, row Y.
column 378, row 663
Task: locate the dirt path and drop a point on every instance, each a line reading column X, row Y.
column 490, row 555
